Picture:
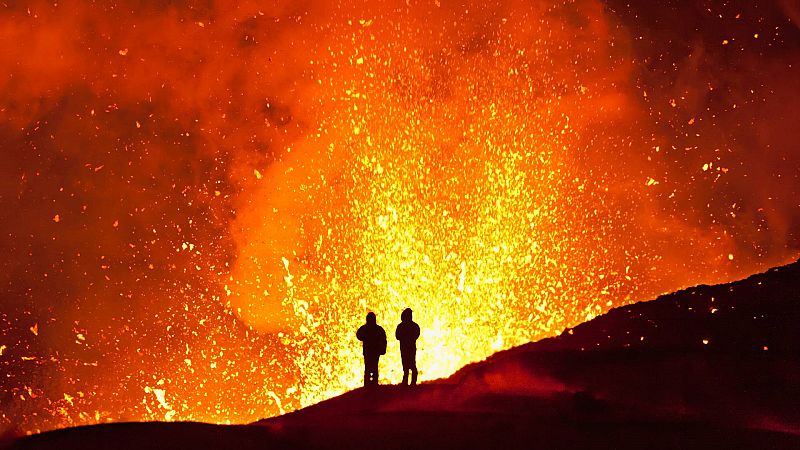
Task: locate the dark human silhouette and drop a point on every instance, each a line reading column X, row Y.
column 407, row 333
column 373, row 339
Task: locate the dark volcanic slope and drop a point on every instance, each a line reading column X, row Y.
column 710, row 366
column 726, row 354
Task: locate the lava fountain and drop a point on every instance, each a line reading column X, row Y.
column 446, row 173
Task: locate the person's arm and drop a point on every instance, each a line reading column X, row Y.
column 397, row 332
column 360, row 334
column 416, row 332
column 383, row 341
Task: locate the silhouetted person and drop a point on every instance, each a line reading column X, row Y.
column 373, row 338
column 407, row 333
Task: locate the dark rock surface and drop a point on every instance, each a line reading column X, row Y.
column 706, row 367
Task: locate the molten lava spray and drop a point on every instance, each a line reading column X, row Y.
column 202, row 200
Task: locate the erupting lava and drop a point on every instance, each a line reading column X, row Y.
column 211, row 198
column 447, row 178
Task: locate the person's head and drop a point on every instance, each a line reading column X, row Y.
column 406, row 315
column 371, row 319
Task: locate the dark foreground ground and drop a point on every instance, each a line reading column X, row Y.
column 707, row 367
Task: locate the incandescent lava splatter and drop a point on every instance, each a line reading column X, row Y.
column 201, row 201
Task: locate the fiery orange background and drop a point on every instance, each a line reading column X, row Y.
column 201, row 200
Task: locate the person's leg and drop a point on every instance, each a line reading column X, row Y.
column 408, row 363
column 371, row 374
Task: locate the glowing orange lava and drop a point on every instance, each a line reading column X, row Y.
column 280, row 172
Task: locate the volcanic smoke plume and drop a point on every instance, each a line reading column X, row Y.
column 201, row 200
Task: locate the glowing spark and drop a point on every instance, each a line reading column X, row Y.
column 160, row 395
column 462, row 276
column 288, row 278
